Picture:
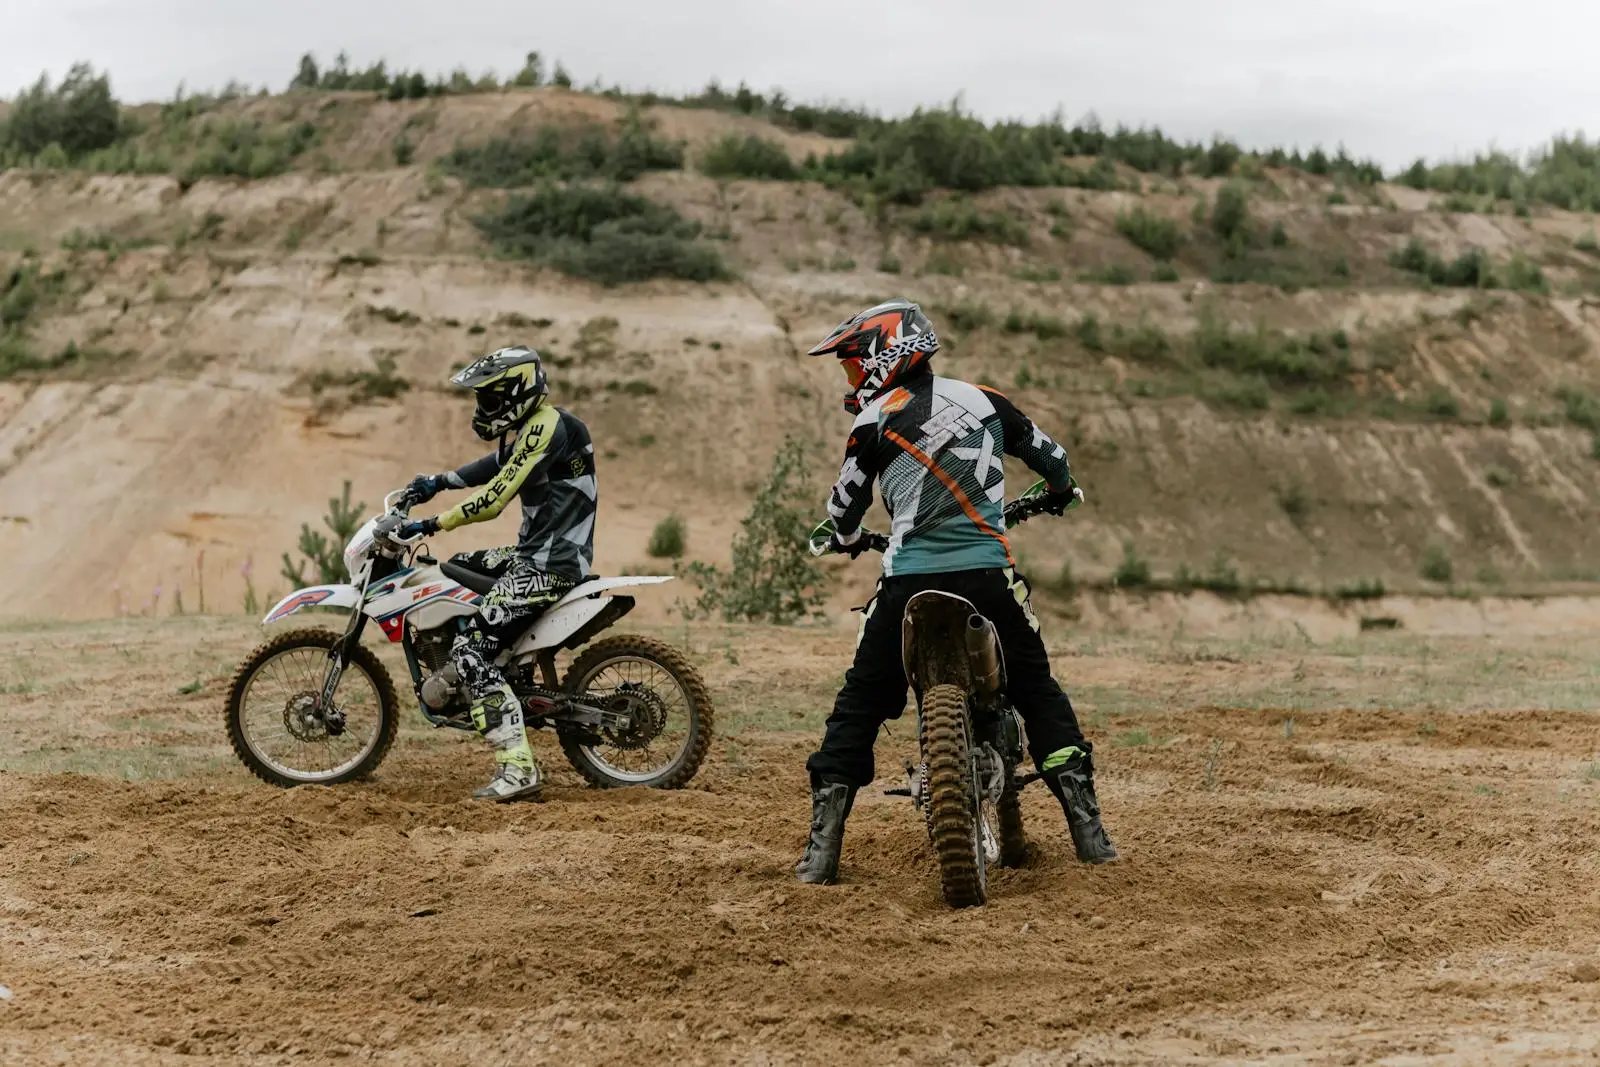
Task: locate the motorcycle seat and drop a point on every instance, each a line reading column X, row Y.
column 478, row 581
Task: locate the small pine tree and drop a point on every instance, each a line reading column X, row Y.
column 326, row 556
column 532, row 72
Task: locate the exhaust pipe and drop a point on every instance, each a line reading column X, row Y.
column 983, row 654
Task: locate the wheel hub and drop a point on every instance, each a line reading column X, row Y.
column 646, row 716
column 302, row 719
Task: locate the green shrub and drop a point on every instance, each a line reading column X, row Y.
column 969, row 315
column 1044, row 327
column 667, row 540
column 602, row 234
column 733, row 156
column 1436, row 565
column 1164, row 272
column 1156, row 235
column 1087, row 332
column 1362, row 589
column 772, row 577
column 1441, row 403
column 1110, row 274
column 1230, row 215
column 1037, row 274
column 1470, row 270
column 1279, row 358
column 1580, row 407
column 1279, row 237
column 1145, row 342
column 958, row 219
column 1251, row 394
column 1133, row 572
column 565, row 153
column 1499, row 412
column 1524, row 274
column 241, row 148
column 1587, row 243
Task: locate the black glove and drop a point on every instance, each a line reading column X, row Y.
column 1057, row 501
column 854, row 548
column 423, row 488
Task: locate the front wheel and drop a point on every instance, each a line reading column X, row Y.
column 277, row 730
column 953, row 810
column 668, row 713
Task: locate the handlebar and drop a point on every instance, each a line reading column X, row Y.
column 1033, row 502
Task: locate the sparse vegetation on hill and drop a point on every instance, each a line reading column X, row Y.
column 749, row 156
column 601, row 233
column 566, row 153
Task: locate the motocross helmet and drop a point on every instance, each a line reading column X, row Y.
column 510, row 385
column 879, row 347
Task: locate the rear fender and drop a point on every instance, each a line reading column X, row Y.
column 933, row 640
column 315, row 596
column 571, row 623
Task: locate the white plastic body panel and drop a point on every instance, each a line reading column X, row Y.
column 574, row 610
column 314, row 596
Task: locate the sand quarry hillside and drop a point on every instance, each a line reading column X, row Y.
column 192, row 453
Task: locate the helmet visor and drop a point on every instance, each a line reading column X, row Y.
column 855, row 371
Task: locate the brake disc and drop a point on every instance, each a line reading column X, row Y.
column 301, row 719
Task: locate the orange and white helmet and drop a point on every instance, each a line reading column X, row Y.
column 879, row 347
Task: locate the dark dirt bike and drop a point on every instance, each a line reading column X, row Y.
column 317, row 706
column 970, row 738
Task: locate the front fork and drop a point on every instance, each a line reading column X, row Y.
column 338, row 659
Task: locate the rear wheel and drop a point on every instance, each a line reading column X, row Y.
column 668, row 708
column 276, row 728
column 954, row 822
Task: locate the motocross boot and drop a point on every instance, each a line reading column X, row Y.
column 1069, row 774
column 831, row 800
column 498, row 717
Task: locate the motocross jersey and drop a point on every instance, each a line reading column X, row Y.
column 550, row 466
column 936, row 446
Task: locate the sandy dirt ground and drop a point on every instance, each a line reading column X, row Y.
column 1377, row 849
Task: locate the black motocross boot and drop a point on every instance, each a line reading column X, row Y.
column 1072, row 781
column 831, row 800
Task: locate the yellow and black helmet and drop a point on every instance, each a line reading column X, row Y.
column 510, row 386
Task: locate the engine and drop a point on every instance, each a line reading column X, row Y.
column 440, row 682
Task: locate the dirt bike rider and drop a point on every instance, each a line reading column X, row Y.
column 545, row 457
column 936, row 447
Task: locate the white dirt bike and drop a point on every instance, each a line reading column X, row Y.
column 316, row 706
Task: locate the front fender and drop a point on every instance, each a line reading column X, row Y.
column 315, row 596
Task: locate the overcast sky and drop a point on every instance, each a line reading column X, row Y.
column 1392, row 79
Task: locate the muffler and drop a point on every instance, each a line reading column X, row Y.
column 983, row 654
